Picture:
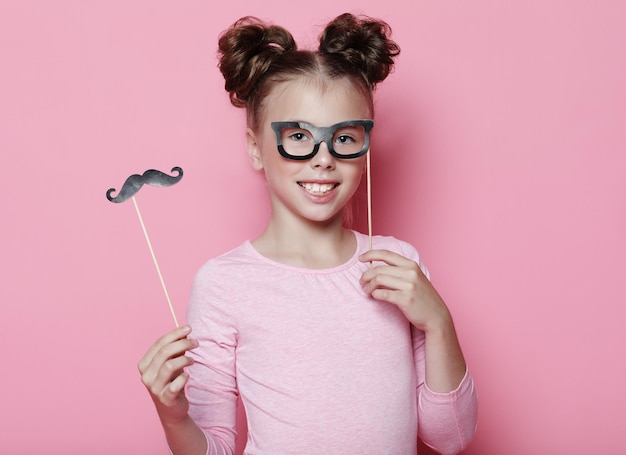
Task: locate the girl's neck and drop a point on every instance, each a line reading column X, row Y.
column 306, row 244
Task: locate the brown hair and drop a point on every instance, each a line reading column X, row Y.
column 254, row 56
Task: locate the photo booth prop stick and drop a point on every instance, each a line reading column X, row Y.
column 131, row 186
column 369, row 198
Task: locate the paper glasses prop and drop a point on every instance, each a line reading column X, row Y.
column 131, row 186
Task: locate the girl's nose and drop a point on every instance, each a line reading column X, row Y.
column 323, row 159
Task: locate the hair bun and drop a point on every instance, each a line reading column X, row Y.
column 364, row 43
column 246, row 50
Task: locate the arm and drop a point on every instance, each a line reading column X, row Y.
column 162, row 372
column 447, row 420
column 444, row 362
column 402, row 282
column 447, row 399
column 192, row 381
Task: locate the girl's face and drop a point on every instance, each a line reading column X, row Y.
column 314, row 190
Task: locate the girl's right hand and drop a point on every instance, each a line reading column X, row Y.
column 162, row 372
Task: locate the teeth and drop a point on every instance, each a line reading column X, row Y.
column 318, row 188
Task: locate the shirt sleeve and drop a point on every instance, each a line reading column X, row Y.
column 447, row 421
column 212, row 387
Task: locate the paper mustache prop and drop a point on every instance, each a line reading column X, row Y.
column 151, row 177
column 131, row 186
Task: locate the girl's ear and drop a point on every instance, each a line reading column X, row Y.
column 254, row 150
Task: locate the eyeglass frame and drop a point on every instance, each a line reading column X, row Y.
column 322, row 134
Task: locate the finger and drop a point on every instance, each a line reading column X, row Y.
column 393, row 281
column 165, row 359
column 386, row 256
column 170, row 394
column 178, row 384
column 399, row 298
column 176, row 334
column 166, row 364
column 157, row 381
column 410, row 273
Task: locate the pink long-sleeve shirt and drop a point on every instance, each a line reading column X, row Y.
column 321, row 367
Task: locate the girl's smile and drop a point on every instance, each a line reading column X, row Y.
column 319, row 192
column 318, row 188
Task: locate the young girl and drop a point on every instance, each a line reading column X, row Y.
column 333, row 348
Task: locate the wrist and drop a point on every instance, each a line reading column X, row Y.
column 172, row 417
column 440, row 324
column 172, row 422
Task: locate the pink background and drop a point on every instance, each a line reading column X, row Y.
column 498, row 151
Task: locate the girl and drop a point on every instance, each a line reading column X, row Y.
column 332, row 347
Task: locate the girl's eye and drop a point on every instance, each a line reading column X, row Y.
column 297, row 136
column 345, row 139
column 349, row 136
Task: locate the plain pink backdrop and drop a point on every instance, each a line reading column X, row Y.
column 498, row 151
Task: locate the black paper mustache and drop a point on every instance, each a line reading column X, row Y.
column 151, row 177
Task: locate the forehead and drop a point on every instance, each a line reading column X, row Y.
column 316, row 101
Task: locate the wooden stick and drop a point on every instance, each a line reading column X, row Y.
column 369, row 199
column 156, row 264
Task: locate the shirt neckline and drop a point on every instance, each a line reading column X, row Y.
column 346, row 265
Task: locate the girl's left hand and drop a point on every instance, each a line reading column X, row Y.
column 401, row 282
